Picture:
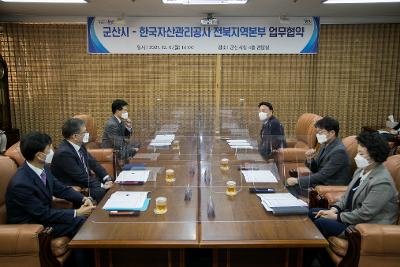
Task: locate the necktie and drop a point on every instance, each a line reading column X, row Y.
column 83, row 160
column 43, row 177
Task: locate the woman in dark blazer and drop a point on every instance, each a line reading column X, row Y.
column 371, row 196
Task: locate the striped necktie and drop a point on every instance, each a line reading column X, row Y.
column 83, row 160
column 43, row 177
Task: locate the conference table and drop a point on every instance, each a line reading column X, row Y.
column 235, row 230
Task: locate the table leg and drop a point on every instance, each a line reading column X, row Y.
column 299, row 257
column 97, row 260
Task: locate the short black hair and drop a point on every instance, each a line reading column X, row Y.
column 264, row 103
column 329, row 124
column 33, row 143
column 378, row 149
column 72, row 126
column 118, row 104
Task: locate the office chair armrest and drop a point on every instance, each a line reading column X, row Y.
column 291, row 142
column 19, row 239
column 323, row 189
column 290, row 154
column 380, row 239
column 323, row 196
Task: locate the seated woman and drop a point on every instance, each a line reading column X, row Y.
column 371, row 196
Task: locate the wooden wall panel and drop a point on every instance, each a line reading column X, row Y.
column 354, row 77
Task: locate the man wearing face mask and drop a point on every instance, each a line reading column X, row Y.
column 272, row 134
column 30, row 192
column 118, row 130
column 330, row 166
column 73, row 165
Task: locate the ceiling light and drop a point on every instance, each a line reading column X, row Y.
column 205, row 2
column 359, row 1
column 48, row 1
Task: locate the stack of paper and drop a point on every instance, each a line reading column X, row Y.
column 133, row 176
column 239, row 144
column 259, row 176
column 283, row 204
column 162, row 140
column 127, row 200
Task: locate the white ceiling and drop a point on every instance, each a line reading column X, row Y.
column 254, row 8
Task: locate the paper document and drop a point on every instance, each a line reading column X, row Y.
column 283, row 204
column 162, row 140
column 126, row 200
column 133, row 176
column 238, row 142
column 242, row 147
column 259, row 176
column 281, row 200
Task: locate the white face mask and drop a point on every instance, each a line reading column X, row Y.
column 361, row 162
column 124, row 115
column 85, row 138
column 49, row 157
column 262, row 115
column 322, row 138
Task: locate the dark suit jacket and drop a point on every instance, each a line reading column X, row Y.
column 272, row 137
column 329, row 167
column 28, row 200
column 69, row 169
column 114, row 134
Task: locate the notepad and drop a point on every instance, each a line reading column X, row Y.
column 127, row 200
column 259, row 176
column 133, row 176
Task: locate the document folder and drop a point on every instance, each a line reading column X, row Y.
column 294, row 210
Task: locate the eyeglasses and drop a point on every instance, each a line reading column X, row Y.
column 82, row 132
column 322, row 132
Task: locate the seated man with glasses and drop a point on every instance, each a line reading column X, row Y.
column 330, row 166
column 74, row 166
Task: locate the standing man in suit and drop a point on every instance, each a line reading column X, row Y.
column 30, row 192
column 331, row 166
column 118, row 130
column 272, row 134
column 74, row 166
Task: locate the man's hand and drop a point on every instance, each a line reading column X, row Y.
column 291, row 181
column 108, row 185
column 128, row 123
column 85, row 210
column 87, row 202
column 310, row 154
